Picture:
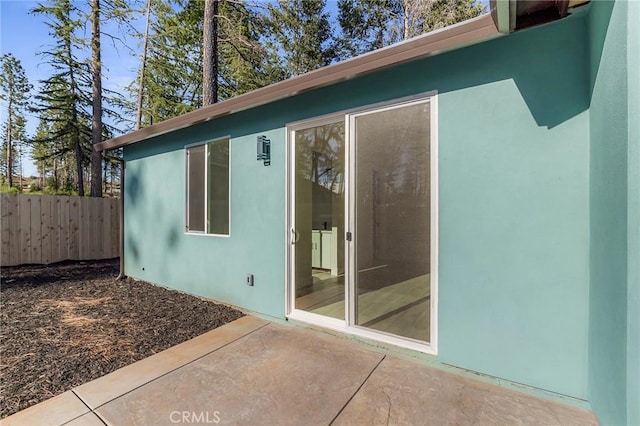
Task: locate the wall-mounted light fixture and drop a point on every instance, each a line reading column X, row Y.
column 264, row 150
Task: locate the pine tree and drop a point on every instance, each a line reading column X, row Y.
column 14, row 90
column 96, row 99
column 363, row 25
column 115, row 11
column 64, row 95
column 210, row 52
column 245, row 64
column 143, row 66
column 368, row 25
column 11, row 154
column 442, row 13
column 414, row 17
column 171, row 82
column 301, row 32
column 42, row 154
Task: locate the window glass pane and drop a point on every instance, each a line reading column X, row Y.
column 218, row 177
column 195, row 188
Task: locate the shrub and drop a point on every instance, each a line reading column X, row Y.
column 10, row 189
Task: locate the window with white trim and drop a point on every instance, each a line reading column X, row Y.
column 208, row 188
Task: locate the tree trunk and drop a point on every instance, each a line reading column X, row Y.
column 79, row 171
column 210, row 53
column 104, row 176
column 143, row 65
column 55, row 175
column 9, row 156
column 405, row 26
column 96, row 120
column 77, row 147
column 76, row 137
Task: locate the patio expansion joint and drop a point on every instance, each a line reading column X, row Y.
column 357, row 390
column 89, row 408
column 94, row 410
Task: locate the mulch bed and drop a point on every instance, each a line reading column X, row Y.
column 63, row 325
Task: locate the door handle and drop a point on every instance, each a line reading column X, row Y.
column 295, row 236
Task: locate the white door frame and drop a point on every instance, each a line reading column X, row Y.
column 291, row 311
column 348, row 325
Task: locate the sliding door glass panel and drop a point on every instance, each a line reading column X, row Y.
column 392, row 213
column 319, row 219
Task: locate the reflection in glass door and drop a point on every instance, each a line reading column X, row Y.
column 318, row 219
column 392, row 195
column 363, row 226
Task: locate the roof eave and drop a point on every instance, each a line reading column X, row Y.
column 450, row 38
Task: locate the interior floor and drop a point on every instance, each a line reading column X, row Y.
column 326, row 290
column 401, row 309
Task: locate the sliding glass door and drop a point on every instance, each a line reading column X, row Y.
column 392, row 237
column 362, row 247
column 318, row 207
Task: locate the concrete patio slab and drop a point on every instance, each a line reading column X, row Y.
column 126, row 379
column 404, row 392
column 277, row 375
column 55, row 411
column 255, row 372
column 89, row 419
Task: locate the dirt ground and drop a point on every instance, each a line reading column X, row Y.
column 66, row 324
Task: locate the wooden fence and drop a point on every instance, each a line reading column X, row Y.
column 50, row 228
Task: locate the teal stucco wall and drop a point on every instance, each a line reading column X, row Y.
column 513, row 208
column 156, row 246
column 514, row 202
column 615, row 231
column 633, row 215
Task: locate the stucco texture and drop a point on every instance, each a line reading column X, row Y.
column 513, row 208
column 614, row 159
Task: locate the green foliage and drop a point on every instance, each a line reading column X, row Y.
column 48, row 190
column 245, row 63
column 367, row 25
column 301, row 34
column 12, row 144
column 6, row 189
column 172, row 83
column 363, row 25
column 63, row 142
column 14, row 90
column 258, row 44
column 14, row 86
column 173, row 77
column 65, row 99
column 442, row 13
